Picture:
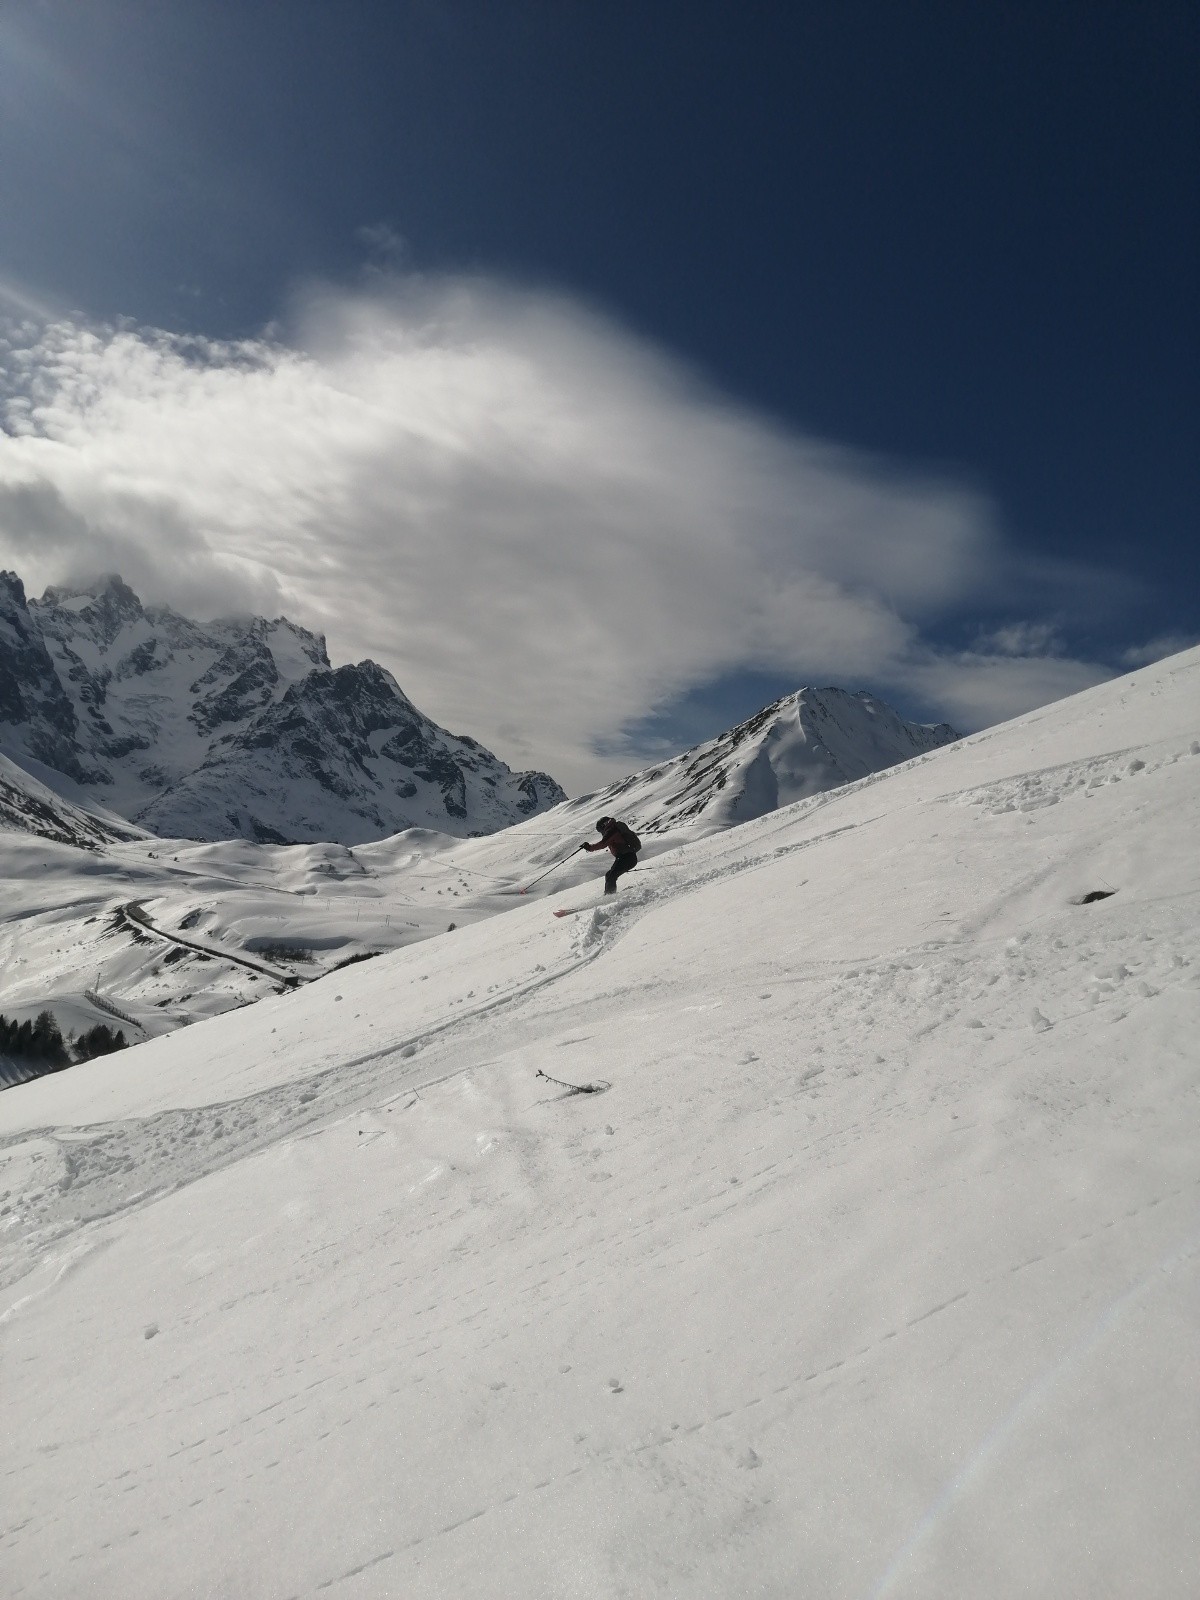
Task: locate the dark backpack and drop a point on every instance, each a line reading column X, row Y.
column 632, row 842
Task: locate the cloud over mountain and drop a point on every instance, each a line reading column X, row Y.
column 546, row 527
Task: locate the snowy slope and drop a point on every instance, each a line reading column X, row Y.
column 238, row 727
column 27, row 806
column 874, row 1269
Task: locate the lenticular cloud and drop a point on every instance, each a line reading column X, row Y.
column 544, row 526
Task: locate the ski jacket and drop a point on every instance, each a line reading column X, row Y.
column 619, row 839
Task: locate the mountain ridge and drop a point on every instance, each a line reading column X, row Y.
column 802, row 744
column 208, row 731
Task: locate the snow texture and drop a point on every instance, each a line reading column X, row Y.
column 876, row 1272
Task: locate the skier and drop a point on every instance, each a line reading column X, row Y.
column 624, row 844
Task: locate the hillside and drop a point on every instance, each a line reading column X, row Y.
column 870, row 1268
column 27, row 806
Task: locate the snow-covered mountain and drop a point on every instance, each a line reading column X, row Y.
column 869, row 1267
column 233, row 728
column 801, row 745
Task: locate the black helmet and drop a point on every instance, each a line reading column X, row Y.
column 605, row 822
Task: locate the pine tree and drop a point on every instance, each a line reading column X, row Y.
column 99, row 1041
column 47, row 1041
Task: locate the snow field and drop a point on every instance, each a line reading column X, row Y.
column 874, row 1273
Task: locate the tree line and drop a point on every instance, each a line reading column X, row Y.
column 42, row 1041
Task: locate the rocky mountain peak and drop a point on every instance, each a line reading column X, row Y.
column 239, row 726
column 12, row 592
column 800, row 745
column 101, row 609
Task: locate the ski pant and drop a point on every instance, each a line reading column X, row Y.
column 624, row 863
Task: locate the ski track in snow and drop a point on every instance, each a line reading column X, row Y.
column 175, row 1148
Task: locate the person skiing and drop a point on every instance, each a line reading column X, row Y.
column 624, row 844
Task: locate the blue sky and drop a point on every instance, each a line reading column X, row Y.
column 926, row 266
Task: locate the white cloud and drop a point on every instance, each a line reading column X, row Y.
column 1022, row 639
column 545, row 527
column 975, row 689
column 1166, row 644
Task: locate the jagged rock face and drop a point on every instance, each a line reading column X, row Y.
column 237, row 727
column 801, row 745
column 31, row 697
column 346, row 739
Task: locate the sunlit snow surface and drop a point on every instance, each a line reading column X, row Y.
column 875, row 1272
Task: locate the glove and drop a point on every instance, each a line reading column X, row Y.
column 585, row 846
